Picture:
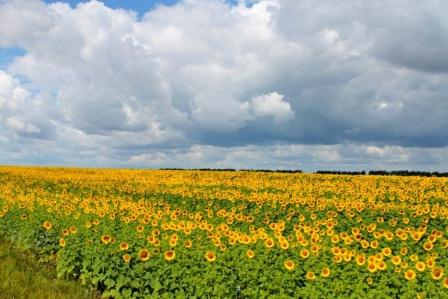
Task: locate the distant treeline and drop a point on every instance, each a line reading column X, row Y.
column 385, row 172
column 337, row 172
column 232, row 169
column 341, row 172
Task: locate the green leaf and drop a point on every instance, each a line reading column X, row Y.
column 156, row 285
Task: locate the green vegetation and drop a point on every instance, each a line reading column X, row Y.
column 22, row 276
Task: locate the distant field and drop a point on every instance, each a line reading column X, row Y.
column 187, row 234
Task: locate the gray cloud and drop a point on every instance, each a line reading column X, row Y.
column 199, row 77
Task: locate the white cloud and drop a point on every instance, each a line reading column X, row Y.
column 100, row 79
column 22, row 112
column 21, row 127
column 272, row 105
column 375, row 151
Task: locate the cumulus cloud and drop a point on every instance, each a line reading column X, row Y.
column 22, row 112
column 272, row 105
column 210, row 74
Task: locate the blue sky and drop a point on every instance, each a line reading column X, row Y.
column 139, row 6
column 7, row 54
column 264, row 84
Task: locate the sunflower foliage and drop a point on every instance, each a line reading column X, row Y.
column 228, row 234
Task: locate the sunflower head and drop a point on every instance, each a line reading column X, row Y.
column 304, row 253
column 325, row 272
column 420, row 266
column 360, row 260
column 250, row 253
column 169, row 255
column 124, row 246
column 372, row 267
column 437, row 273
column 106, row 239
column 47, row 225
column 396, row 260
column 188, row 244
column 210, row 256
column 289, row 265
column 382, row 265
column 445, row 283
column 410, row 275
column 126, row 258
column 269, row 243
column 310, row 275
column 143, row 255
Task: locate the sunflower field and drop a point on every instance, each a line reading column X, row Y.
column 198, row 234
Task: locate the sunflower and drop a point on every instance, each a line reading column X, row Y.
column 47, row 225
column 382, row 266
column 396, row 260
column 188, row 244
column 310, row 275
column 126, row 258
column 106, row 239
column 404, row 251
column 410, row 275
column 420, row 266
column 284, row 244
column 289, row 265
column 62, row 242
column 347, row 257
column 140, row 228
column 445, row 282
column 73, row 230
column 169, row 255
column 337, row 259
column 269, row 243
column 386, row 251
column 250, row 253
column 437, row 273
column 315, row 248
column 173, row 242
column 210, row 256
column 365, row 244
column 428, row 246
column 325, row 272
column 374, row 244
column 445, row 243
column 360, row 260
column 304, row 253
column 124, row 246
column 430, row 263
column 143, row 255
column 372, row 267
column 232, row 241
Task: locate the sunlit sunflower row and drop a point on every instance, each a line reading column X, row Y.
column 184, row 234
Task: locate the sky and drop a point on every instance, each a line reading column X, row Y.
column 278, row 84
